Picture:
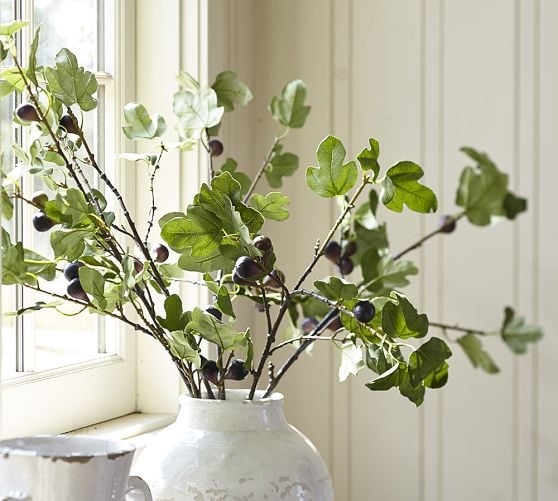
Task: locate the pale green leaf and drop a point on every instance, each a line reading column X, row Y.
column 71, row 83
column 32, row 65
column 272, row 206
column 93, row 283
column 472, row 347
column 517, row 334
column 12, row 27
column 211, row 329
column 196, row 111
column 230, row 90
column 332, row 177
column 280, row 166
column 368, row 158
column 401, row 319
column 336, row 289
column 351, row 361
column 401, row 187
column 289, row 109
column 139, row 125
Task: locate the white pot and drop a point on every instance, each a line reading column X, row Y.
column 67, row 469
column 232, row 450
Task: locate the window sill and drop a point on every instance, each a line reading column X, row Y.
column 137, row 428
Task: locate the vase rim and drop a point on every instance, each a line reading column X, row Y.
column 236, row 397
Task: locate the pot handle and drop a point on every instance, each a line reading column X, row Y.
column 139, row 485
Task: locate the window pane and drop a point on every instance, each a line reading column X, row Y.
column 71, row 24
column 46, row 339
column 61, row 340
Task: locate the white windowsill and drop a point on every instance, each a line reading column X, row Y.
column 137, row 428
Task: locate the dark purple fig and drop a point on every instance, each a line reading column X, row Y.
column 76, row 291
column 447, row 224
column 215, row 147
column 138, row 265
column 210, row 371
column 364, row 311
column 39, row 199
column 332, row 251
column 160, row 253
column 240, row 281
column 41, row 222
column 246, row 268
column 69, row 123
column 71, row 270
column 27, row 113
column 346, row 265
column 349, row 248
column 263, row 244
column 215, row 312
column 237, row 371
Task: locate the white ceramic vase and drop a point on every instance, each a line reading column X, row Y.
column 233, row 450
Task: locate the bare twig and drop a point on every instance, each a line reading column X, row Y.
column 153, row 208
column 419, row 243
column 262, row 168
column 457, row 328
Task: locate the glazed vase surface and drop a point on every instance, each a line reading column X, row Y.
column 232, row 450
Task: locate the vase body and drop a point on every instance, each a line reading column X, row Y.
column 231, row 450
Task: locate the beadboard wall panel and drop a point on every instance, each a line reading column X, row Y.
column 423, row 77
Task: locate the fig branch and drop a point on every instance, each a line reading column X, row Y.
column 263, row 166
column 447, row 226
column 457, row 328
column 319, row 253
column 326, row 320
column 153, row 208
column 122, row 318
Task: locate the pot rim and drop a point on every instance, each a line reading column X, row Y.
column 66, row 448
column 238, row 399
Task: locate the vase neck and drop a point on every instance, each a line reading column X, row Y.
column 234, row 414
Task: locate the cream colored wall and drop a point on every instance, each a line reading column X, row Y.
column 423, row 77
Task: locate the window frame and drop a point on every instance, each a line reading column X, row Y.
column 77, row 395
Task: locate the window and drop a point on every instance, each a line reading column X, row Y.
column 48, row 361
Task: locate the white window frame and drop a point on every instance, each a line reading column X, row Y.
column 63, row 399
column 183, row 30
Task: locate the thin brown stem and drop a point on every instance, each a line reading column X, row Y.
column 419, row 243
column 457, row 328
column 153, row 208
column 262, row 168
column 294, row 356
column 69, row 299
column 318, row 254
column 306, row 337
